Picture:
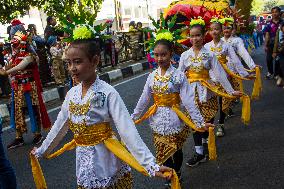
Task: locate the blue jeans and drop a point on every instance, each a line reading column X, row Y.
column 7, row 174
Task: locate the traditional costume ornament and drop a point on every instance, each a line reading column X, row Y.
column 227, row 21
column 217, row 20
column 164, row 30
column 19, row 41
column 79, row 28
column 197, row 21
column 26, row 88
column 82, row 32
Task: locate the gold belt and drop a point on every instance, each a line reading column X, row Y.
column 166, row 99
column 202, row 75
column 90, row 135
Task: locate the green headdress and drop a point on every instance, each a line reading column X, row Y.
column 164, row 30
column 78, row 28
column 217, row 20
column 227, row 21
column 197, row 21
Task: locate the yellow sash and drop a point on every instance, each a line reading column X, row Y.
column 203, row 76
column 173, row 100
column 91, row 136
column 223, row 61
column 257, row 86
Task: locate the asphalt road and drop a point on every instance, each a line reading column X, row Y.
column 248, row 156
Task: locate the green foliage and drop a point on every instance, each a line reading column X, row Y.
column 69, row 27
column 85, row 10
column 269, row 5
column 280, row 2
column 257, row 7
column 164, row 26
column 10, row 9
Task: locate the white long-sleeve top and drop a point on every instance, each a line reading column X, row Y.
column 96, row 166
column 205, row 60
column 239, row 47
column 225, row 49
column 165, row 121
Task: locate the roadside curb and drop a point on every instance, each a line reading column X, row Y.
column 109, row 77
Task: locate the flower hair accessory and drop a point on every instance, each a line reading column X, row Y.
column 165, row 35
column 78, row 28
column 217, row 20
column 199, row 21
column 227, row 21
column 82, row 32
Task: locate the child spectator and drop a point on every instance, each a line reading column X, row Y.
column 56, row 52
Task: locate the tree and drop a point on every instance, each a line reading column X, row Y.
column 12, row 9
column 257, row 7
column 280, row 2
column 86, row 9
column 269, row 5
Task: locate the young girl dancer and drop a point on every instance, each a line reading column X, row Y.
column 89, row 109
column 202, row 68
column 238, row 45
column 236, row 42
column 231, row 64
column 170, row 90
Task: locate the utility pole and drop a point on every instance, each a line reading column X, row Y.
column 116, row 15
column 148, row 12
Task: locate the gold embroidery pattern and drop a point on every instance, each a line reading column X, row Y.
column 159, row 89
column 125, row 182
column 77, row 128
column 167, row 145
column 196, row 59
column 207, row 109
column 78, row 109
column 196, row 68
column 20, row 104
column 21, row 126
column 216, row 49
column 163, row 79
column 90, row 135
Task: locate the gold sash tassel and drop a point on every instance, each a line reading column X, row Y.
column 203, row 76
column 257, row 87
column 91, row 136
column 173, row 100
column 212, row 144
column 37, row 173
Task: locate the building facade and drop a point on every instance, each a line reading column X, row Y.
column 125, row 11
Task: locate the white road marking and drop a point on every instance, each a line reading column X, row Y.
column 131, row 79
column 58, row 107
